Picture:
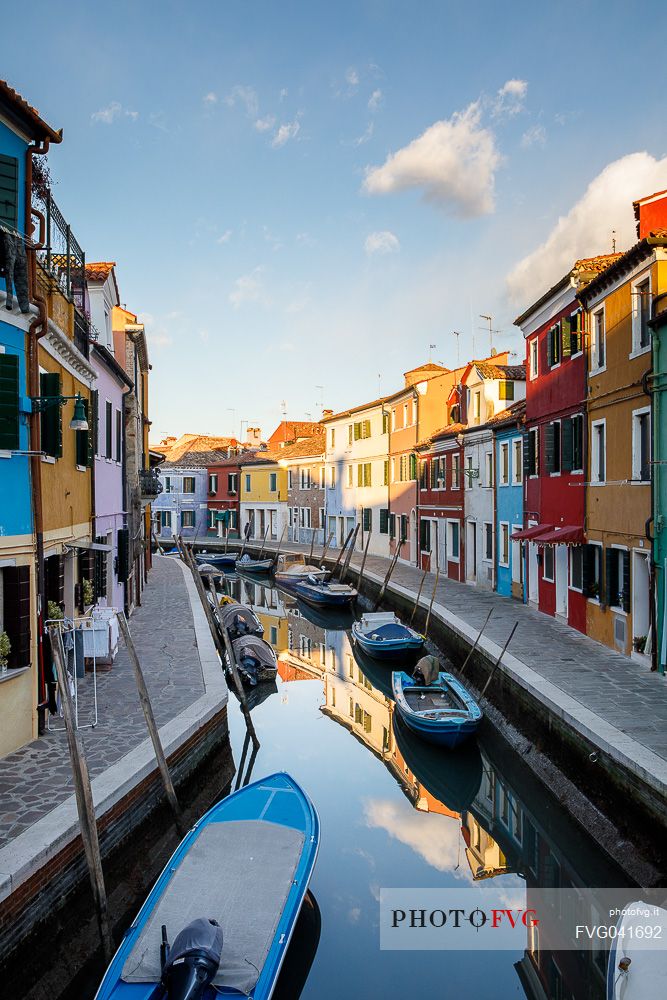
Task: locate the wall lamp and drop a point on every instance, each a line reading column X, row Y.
column 78, row 421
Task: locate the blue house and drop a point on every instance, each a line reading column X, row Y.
column 21, row 132
column 508, row 448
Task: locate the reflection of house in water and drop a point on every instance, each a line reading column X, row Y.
column 495, row 813
column 270, row 611
column 304, row 656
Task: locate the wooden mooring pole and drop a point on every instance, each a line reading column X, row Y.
column 419, row 594
column 363, row 561
column 266, row 535
column 326, row 548
column 84, row 796
column 312, row 545
column 340, row 554
column 348, row 557
column 497, row 663
column 151, row 724
column 388, row 576
column 474, row 645
column 430, row 607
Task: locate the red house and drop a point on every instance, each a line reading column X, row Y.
column 441, row 502
column 224, row 488
column 554, row 452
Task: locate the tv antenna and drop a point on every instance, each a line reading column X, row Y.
column 283, row 408
column 320, row 391
column 457, row 334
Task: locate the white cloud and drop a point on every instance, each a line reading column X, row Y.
column 453, row 163
column 510, row 99
column 365, row 136
column 210, row 99
column 287, row 131
column 375, row 100
column 283, row 94
column 351, row 77
column 586, row 229
column 266, row 123
column 225, row 237
column 158, row 119
column 536, row 135
column 435, row 838
column 247, row 288
column 113, row 111
column 381, row 242
column 245, row 96
column 157, row 328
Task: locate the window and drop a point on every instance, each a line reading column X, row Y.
column 534, row 368
column 576, row 567
column 576, row 332
column 552, row 447
column 404, row 527
column 333, row 436
column 247, row 482
column 412, row 465
column 385, row 422
column 617, row 578
column 350, row 475
column 641, row 446
column 211, row 519
column 591, row 570
column 119, row 437
column 477, row 405
column 84, row 456
column 425, row 535
column 554, row 345
column 304, row 479
column 598, row 345
column 290, row 480
column 423, row 474
column 504, row 554
column 641, row 313
column 504, row 471
column 392, row 525
column 488, row 541
column 384, row 521
column 453, row 541
column 364, row 474
column 232, row 482
column 576, row 435
column 367, row 519
column 441, row 478
column 531, row 454
column 506, row 390
column 273, row 482
column 393, row 419
column 385, row 472
column 332, row 477
column 188, row 484
column 108, row 427
column 469, row 472
column 213, row 482
column 405, row 414
column 9, row 190
column 165, row 518
column 170, row 484
column 548, row 563
column 187, row 519
column 321, row 477
column 456, row 471
column 349, row 433
column 517, row 462
column 488, row 468
column 304, row 517
column 598, row 452
column 362, row 430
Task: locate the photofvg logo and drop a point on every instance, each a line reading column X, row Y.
column 455, row 920
column 514, row 918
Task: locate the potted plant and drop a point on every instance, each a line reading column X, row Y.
column 88, row 594
column 5, row 650
column 639, row 643
column 54, row 611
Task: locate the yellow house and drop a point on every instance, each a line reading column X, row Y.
column 263, row 499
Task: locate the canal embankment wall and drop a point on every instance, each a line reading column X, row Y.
column 43, row 865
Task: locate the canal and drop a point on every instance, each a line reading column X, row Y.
column 396, row 812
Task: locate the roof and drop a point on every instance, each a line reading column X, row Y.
column 363, row 406
column 450, row 431
column 100, row 270
column 245, row 458
column 176, row 448
column 584, row 270
column 430, row 366
column 289, row 430
column 511, row 415
column 194, row 460
column 308, row 448
column 24, row 114
column 624, row 263
column 512, row 373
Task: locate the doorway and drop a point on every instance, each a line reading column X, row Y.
column 561, row 563
column 640, row 594
column 533, row 574
column 471, row 552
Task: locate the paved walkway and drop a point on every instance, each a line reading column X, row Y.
column 37, row 778
column 618, row 695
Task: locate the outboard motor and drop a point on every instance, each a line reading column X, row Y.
column 190, row 965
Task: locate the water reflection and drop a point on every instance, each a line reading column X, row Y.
column 475, row 814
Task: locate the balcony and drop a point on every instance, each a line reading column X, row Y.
column 149, row 485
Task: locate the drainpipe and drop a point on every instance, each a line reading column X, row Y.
column 38, row 327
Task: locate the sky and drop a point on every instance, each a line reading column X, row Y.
column 306, row 200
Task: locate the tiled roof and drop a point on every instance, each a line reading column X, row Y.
column 623, row 263
column 430, row 366
column 246, row 458
column 513, row 413
column 193, row 443
column 100, row 270
column 28, row 114
column 516, row 373
column 195, row 460
column 309, row 448
column 451, row 431
column 357, row 409
column 290, row 430
column 584, row 270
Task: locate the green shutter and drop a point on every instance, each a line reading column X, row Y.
column 123, row 555
column 392, row 526
column 52, row 416
column 9, row 190
column 9, row 402
column 528, row 455
column 550, row 339
column 357, row 431
column 565, row 337
column 610, row 589
column 549, row 451
column 566, row 444
column 384, row 521
column 625, row 583
column 413, row 466
column 368, row 519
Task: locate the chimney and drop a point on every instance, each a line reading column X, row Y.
column 327, row 413
column 651, row 213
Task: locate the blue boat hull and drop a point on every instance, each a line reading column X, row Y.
column 315, row 598
column 277, row 799
column 217, row 558
column 390, row 650
column 438, row 733
column 448, row 727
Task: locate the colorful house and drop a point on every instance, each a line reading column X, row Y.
column 508, row 441
column 224, row 492
column 618, row 560
column 441, row 509
column 658, row 386
column 306, row 492
column 263, row 499
column 182, row 506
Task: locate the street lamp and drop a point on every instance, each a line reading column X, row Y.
column 78, row 422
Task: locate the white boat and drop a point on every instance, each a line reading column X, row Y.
column 637, row 967
column 292, row 566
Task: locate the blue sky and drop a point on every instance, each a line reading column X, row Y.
column 308, row 194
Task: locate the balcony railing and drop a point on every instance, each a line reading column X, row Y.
column 82, row 332
column 149, row 484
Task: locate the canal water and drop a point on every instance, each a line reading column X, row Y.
column 396, row 812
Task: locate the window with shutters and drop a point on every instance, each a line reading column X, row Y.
column 51, row 418
column 598, row 452
column 332, row 477
column 598, row 341
column 350, row 430
column 384, row 521
column 211, row 519
column 488, row 541
column 517, row 462
column 504, row 470
column 412, row 465
column 362, row 430
column 392, row 526
column 364, row 474
column 591, row 571
column 273, row 482
column 232, row 482
column 506, row 390
column 576, row 332
column 367, row 519
column 456, row 471
column 108, row 429
column 119, row 437
column 213, row 482
column 441, row 478
column 576, row 567
column 504, row 544
column 488, row 469
column 9, row 191
column 350, row 475
column 641, row 314
column 404, row 527
column 332, row 437
column 532, row 452
column 165, row 518
column 9, row 402
column 187, row 519
column 188, row 484
column 552, row 447
column 453, row 541
column 15, row 617
column 385, row 472
column 385, row 422
column 533, row 358
column 554, row 345
column 641, row 445
column 425, row 535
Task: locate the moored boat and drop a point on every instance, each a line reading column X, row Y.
column 384, row 636
column 311, row 584
column 220, row 916
column 441, row 711
column 255, row 659
column 246, row 564
column 217, row 558
column 239, row 620
column 637, row 968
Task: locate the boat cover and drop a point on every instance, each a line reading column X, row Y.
column 428, row 668
column 238, row 873
column 390, row 630
column 239, row 620
column 202, row 934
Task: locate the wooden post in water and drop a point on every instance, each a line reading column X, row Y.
column 280, row 540
column 430, row 607
column 387, row 577
column 348, row 557
column 157, row 542
column 84, row 796
column 326, row 548
column 312, row 545
column 340, row 554
column 151, row 725
column 363, row 561
column 474, row 645
column 496, row 664
column 419, row 594
column 266, row 535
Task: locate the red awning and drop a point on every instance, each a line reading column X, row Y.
column 569, row 534
column 532, row 533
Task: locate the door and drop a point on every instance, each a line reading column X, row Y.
column 533, row 571
column 471, row 552
column 561, row 563
column 440, row 536
column 640, row 595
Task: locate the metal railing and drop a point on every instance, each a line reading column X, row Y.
column 82, row 333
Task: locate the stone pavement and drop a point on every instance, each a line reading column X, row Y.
column 37, row 778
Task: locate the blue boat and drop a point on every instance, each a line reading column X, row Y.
column 217, row 558
column 311, row 584
column 384, row 636
column 441, row 712
column 220, row 916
